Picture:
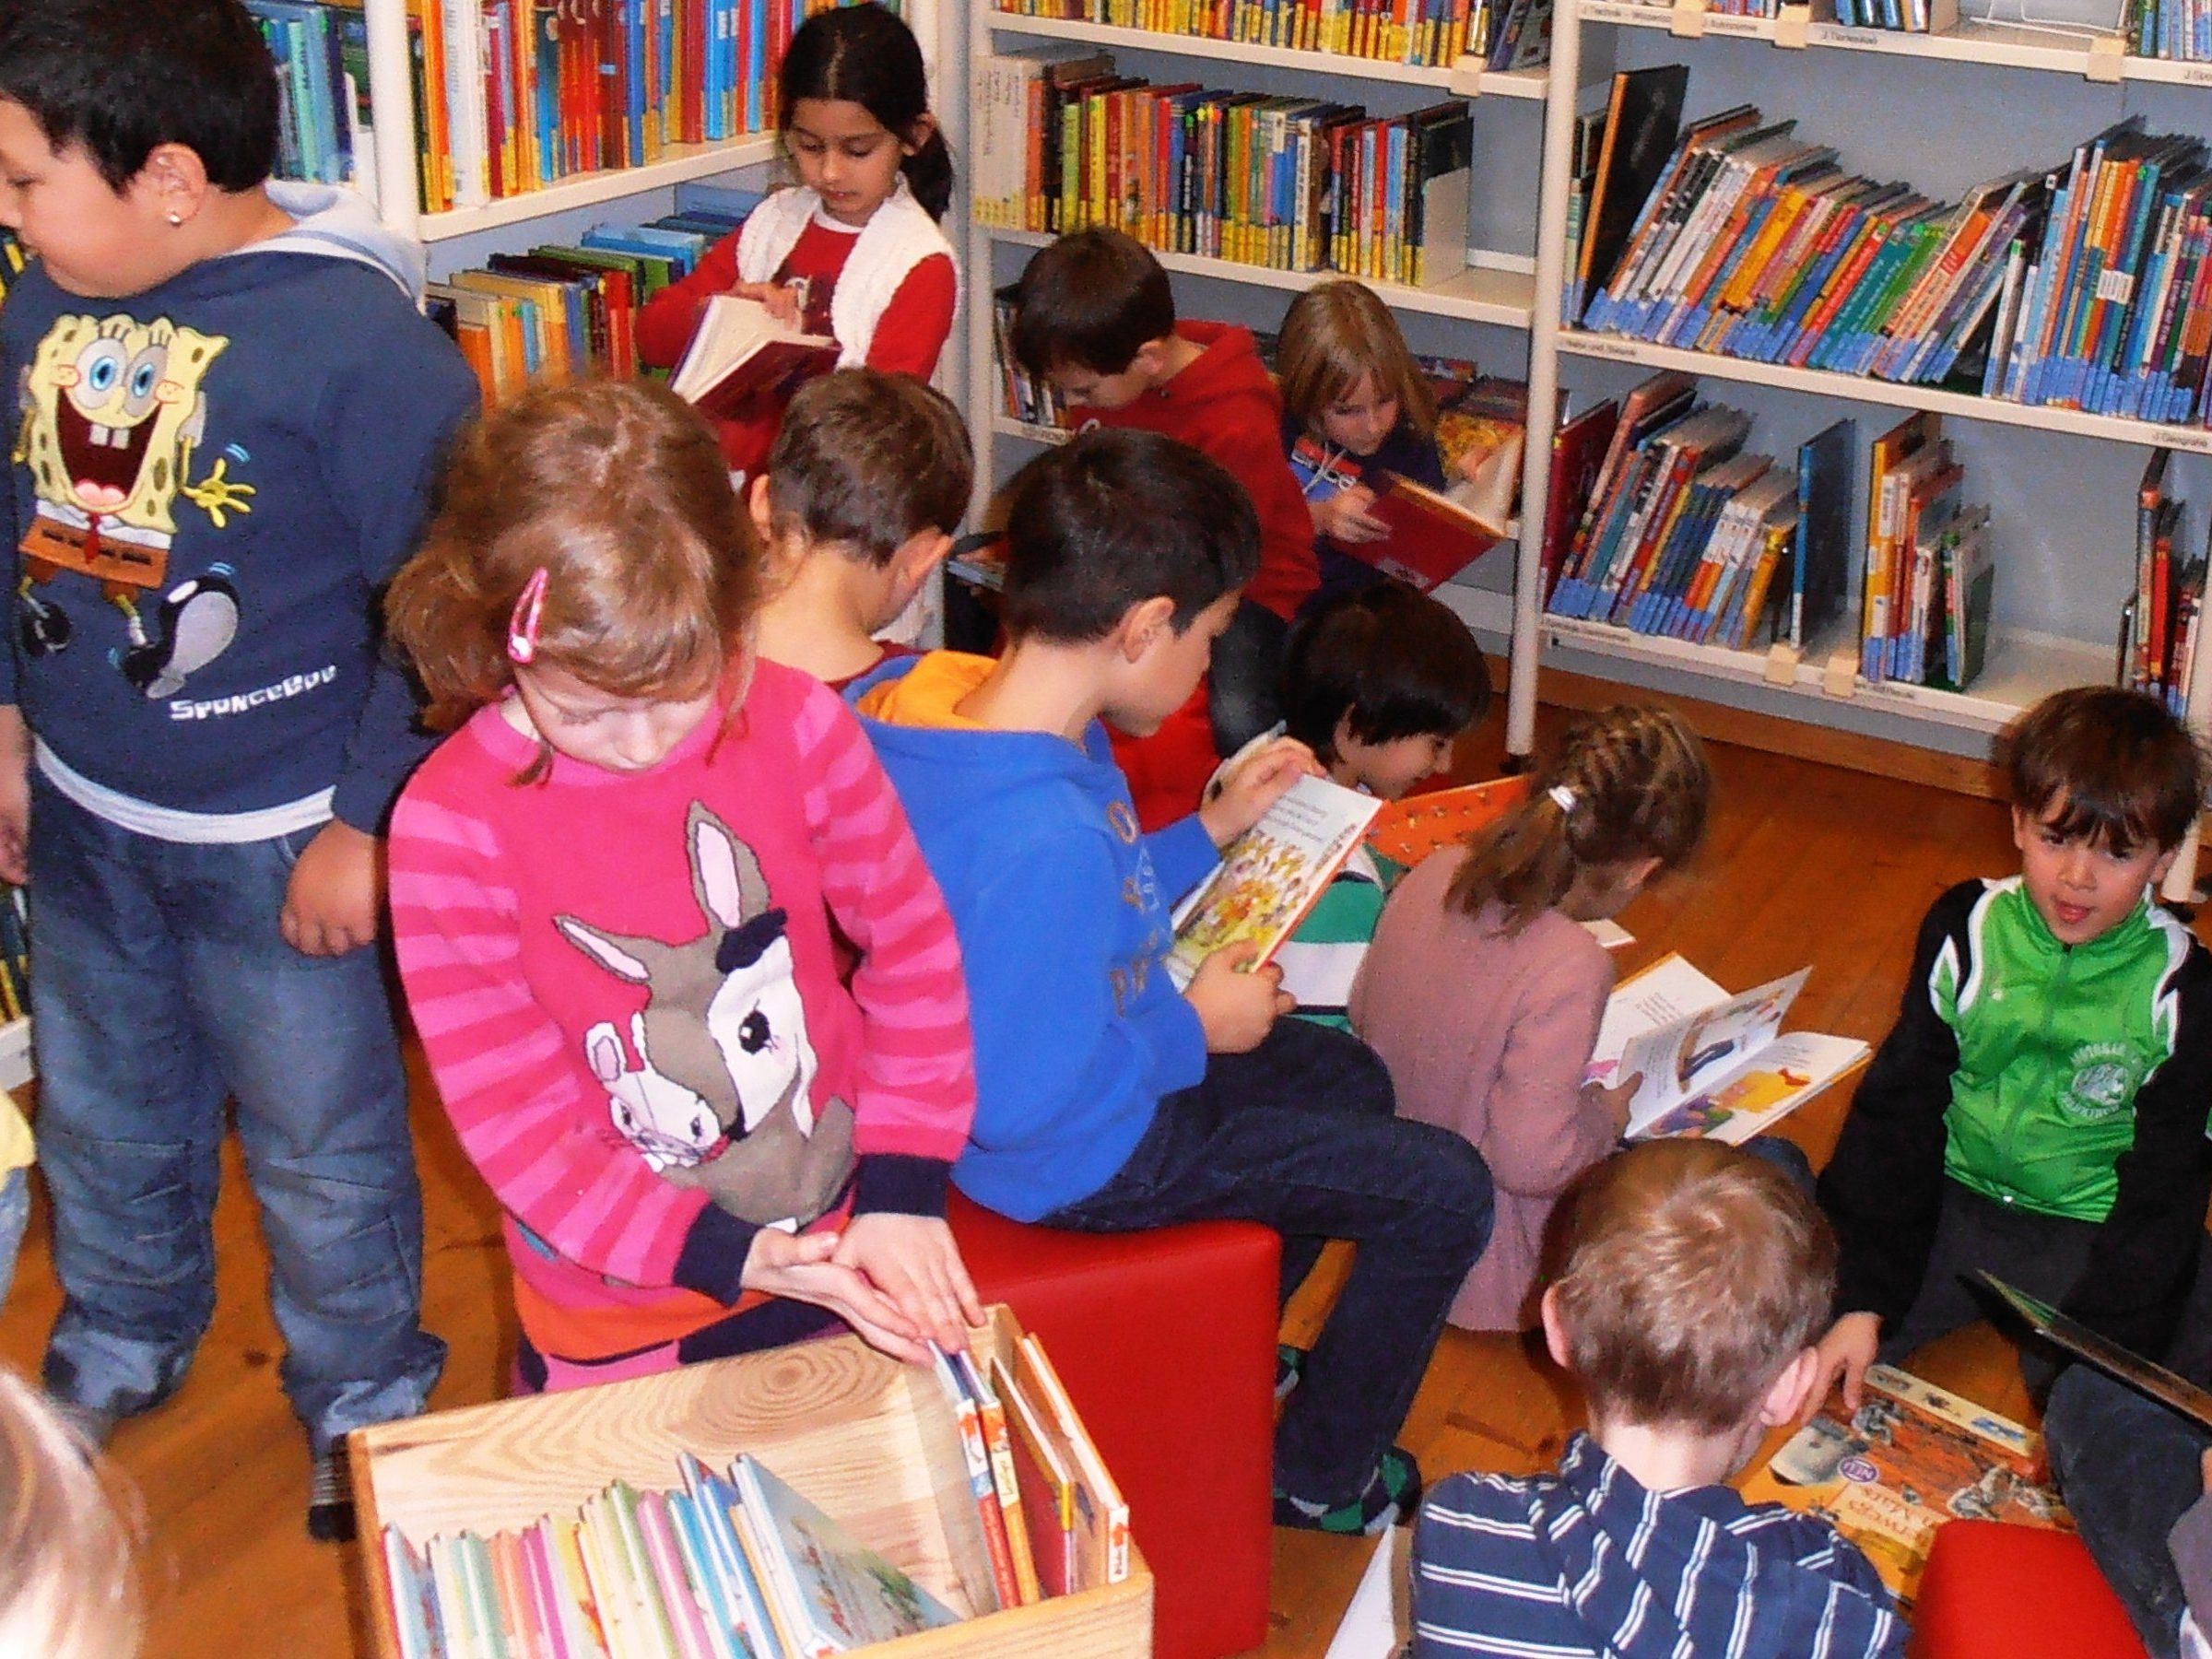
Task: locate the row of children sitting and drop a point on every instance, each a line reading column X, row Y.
column 718, row 1007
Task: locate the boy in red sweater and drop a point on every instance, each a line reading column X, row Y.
column 1094, row 314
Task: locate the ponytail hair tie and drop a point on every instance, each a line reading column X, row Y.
column 529, row 611
column 1562, row 797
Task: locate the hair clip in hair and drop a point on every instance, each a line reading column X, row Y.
column 529, row 611
column 1562, row 797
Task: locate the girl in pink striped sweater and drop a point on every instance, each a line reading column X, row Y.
column 613, row 891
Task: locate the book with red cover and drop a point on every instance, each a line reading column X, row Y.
column 741, row 356
column 1432, row 537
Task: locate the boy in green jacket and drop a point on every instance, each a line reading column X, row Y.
column 2038, row 1109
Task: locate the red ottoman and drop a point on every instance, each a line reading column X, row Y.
column 1991, row 1588
column 1166, row 1341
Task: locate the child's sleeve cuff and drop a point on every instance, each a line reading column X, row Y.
column 902, row 1184
column 713, row 1262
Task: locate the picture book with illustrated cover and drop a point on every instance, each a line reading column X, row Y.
column 1004, row 1589
column 1271, row 876
column 1911, row 1457
column 1409, row 830
column 1045, row 1473
column 1432, row 535
column 1714, row 1064
column 834, row 1595
column 741, row 355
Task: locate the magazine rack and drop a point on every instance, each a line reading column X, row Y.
column 871, row 1442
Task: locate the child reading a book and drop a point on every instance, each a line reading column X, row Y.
column 852, row 251
column 2038, row 1111
column 1691, row 1278
column 1380, row 683
column 867, row 481
column 1483, row 992
column 1351, row 393
column 612, row 894
column 231, row 417
column 1106, row 1100
column 69, row 1580
column 1094, row 314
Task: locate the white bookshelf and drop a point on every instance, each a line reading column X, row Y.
column 1467, row 78
column 681, row 164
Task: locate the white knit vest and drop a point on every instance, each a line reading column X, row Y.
column 898, row 236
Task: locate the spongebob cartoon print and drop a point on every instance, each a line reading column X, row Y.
column 113, row 416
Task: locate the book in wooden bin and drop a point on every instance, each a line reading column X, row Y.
column 1272, row 874
column 741, row 355
column 1714, row 1064
column 871, row 1443
column 1910, row 1458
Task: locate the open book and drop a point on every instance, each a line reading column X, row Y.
column 1912, row 1458
column 740, row 354
column 1272, row 874
column 2169, row 1388
column 1714, row 1064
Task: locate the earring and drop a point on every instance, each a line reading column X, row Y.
column 176, row 220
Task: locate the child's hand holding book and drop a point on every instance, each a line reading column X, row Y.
column 1236, row 1003
column 1348, row 517
column 1257, row 784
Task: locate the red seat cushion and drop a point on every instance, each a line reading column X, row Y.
column 1991, row 1588
column 1166, row 1341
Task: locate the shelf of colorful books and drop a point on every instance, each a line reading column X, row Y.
column 681, row 164
column 2195, row 440
column 2002, row 45
column 2022, row 667
column 1467, row 78
column 1479, row 294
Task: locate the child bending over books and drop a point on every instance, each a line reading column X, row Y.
column 865, row 485
column 1109, row 1101
column 1351, row 391
column 612, row 894
column 1483, row 992
column 69, row 1582
column 852, row 250
column 2038, row 1111
column 1691, row 1278
column 1380, row 683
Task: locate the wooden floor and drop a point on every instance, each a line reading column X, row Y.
column 1805, row 863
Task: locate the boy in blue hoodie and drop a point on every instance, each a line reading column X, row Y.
column 1106, row 1100
column 231, row 418
column 1691, row 1279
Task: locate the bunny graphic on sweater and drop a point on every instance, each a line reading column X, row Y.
column 721, row 1099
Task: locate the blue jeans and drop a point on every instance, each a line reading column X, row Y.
column 1299, row 1135
column 163, row 986
column 2127, row 1468
column 14, row 1215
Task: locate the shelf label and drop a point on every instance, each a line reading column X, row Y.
column 1742, row 28
column 1689, row 20
column 1601, row 11
column 1793, row 27
column 2104, row 60
column 2196, row 74
column 2197, row 440
column 1834, row 35
column 1623, row 351
column 1467, row 77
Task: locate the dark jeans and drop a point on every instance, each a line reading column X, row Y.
column 163, row 986
column 1244, row 684
column 2128, row 1467
column 2041, row 1254
column 1300, row 1135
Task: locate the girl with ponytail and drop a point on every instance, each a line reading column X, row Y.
column 1483, row 991
column 852, row 250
